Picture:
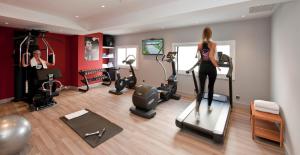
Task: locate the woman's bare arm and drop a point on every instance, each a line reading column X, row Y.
column 198, row 55
column 212, row 55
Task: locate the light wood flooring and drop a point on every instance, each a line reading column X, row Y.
column 157, row 136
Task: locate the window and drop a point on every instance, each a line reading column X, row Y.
column 187, row 56
column 124, row 52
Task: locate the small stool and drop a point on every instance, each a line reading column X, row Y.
column 263, row 125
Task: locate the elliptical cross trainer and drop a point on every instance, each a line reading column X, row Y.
column 145, row 98
column 128, row 82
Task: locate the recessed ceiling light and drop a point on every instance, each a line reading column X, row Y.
column 103, row 6
column 243, row 16
column 76, row 16
column 6, row 23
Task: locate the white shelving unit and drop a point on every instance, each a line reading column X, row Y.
column 108, row 47
column 110, row 55
column 109, row 65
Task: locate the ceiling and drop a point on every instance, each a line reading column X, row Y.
column 119, row 17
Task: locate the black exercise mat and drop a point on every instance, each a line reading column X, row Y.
column 91, row 122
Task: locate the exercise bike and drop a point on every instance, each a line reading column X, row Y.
column 128, row 82
column 145, row 98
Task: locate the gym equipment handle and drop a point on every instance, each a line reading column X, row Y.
column 128, row 57
column 191, row 69
column 53, row 81
column 47, row 51
column 20, row 50
column 92, row 133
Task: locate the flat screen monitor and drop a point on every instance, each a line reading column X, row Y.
column 153, row 46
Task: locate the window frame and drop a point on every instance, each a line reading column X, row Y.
column 232, row 44
column 174, row 45
column 136, row 57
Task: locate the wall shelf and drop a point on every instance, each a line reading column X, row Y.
column 109, row 55
column 108, row 65
column 108, row 47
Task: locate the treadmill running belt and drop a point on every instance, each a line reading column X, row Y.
column 213, row 123
column 207, row 119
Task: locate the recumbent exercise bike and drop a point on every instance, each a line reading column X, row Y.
column 145, row 98
column 129, row 81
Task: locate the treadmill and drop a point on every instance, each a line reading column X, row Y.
column 212, row 123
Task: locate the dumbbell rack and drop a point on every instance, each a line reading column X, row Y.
column 87, row 78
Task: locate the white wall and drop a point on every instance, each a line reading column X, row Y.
column 252, row 56
column 285, row 70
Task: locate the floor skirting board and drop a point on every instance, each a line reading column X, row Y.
column 9, row 99
column 5, row 100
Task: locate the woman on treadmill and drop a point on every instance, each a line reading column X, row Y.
column 207, row 50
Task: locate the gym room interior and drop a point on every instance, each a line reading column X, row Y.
column 149, row 77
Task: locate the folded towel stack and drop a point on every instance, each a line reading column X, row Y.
column 266, row 106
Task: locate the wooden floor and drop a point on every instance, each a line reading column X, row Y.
column 157, row 136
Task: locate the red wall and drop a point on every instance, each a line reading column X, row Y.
column 69, row 54
column 6, row 63
column 61, row 46
column 82, row 63
column 73, row 61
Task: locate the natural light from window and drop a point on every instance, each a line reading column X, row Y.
column 186, row 58
column 187, row 55
column 123, row 53
column 225, row 49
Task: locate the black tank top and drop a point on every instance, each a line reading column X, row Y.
column 205, row 53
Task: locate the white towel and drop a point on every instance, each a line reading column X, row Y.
column 34, row 63
column 266, row 105
column 267, row 110
column 76, row 114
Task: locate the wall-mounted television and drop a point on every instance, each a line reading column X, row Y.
column 153, row 46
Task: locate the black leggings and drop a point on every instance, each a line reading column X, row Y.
column 207, row 69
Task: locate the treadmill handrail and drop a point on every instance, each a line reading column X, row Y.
column 224, row 61
column 191, row 69
column 220, row 63
column 229, row 74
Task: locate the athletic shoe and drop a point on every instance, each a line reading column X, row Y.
column 209, row 108
column 197, row 116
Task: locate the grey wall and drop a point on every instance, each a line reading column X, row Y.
column 285, row 70
column 252, row 56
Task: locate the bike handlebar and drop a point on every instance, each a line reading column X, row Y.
column 124, row 61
